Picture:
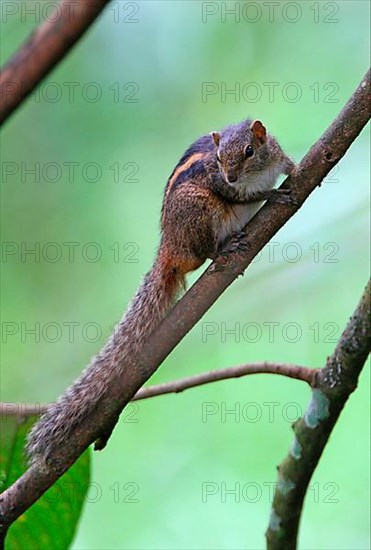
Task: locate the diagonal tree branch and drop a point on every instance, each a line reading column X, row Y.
column 318, row 162
column 334, row 385
column 296, row 372
column 46, row 46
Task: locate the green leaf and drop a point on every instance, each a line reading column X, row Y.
column 51, row 522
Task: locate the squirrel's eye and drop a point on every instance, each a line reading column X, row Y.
column 249, row 151
column 218, row 157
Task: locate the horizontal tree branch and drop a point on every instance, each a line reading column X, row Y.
column 176, row 386
column 46, row 46
column 284, row 369
column 334, row 385
column 317, row 163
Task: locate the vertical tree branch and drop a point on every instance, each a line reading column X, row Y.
column 334, row 385
column 46, row 46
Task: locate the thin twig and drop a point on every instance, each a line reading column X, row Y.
column 291, row 371
column 176, row 386
column 137, row 369
column 46, row 46
column 334, row 384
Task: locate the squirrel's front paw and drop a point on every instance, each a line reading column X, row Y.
column 284, row 196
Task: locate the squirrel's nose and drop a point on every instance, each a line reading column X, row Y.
column 231, row 177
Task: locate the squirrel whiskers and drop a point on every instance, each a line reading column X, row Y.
column 215, row 189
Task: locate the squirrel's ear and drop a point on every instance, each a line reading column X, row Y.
column 259, row 131
column 216, row 138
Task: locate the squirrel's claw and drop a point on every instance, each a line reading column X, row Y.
column 284, row 196
column 237, row 242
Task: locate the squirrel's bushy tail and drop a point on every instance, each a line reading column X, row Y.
column 153, row 299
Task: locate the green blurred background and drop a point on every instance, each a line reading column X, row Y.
column 105, row 131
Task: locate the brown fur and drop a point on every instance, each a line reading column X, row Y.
column 201, row 209
column 183, row 168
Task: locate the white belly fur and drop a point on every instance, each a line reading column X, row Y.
column 244, row 212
